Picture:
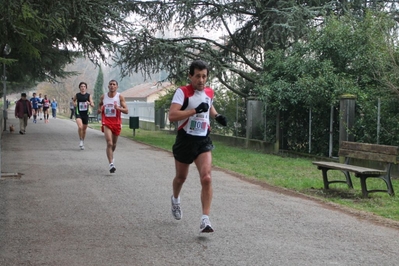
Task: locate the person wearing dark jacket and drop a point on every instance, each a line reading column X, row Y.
column 23, row 111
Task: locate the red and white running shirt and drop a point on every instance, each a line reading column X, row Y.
column 111, row 116
column 189, row 98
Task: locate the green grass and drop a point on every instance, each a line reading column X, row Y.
column 296, row 174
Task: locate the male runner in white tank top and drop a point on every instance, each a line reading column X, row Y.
column 111, row 105
column 192, row 107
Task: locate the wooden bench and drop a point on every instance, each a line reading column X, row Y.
column 384, row 154
column 93, row 117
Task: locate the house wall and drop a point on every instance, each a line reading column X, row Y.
column 135, row 99
column 152, row 98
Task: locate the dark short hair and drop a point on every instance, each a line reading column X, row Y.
column 112, row 80
column 82, row 83
column 23, row 94
column 198, row 64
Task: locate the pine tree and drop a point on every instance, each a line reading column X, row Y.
column 45, row 36
column 98, row 87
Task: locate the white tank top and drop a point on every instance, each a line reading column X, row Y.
column 110, row 114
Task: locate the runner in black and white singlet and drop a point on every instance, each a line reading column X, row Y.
column 82, row 101
column 191, row 107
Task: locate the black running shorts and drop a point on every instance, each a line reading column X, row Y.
column 85, row 118
column 186, row 149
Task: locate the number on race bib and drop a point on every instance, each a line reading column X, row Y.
column 83, row 106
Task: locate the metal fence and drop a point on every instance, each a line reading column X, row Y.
column 145, row 111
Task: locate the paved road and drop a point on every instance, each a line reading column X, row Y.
column 67, row 209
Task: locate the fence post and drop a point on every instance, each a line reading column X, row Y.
column 347, row 117
column 330, row 142
column 378, row 120
column 254, row 118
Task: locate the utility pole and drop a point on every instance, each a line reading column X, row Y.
column 6, row 51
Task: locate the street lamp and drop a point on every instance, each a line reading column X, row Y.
column 6, row 51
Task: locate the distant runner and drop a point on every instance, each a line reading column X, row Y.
column 34, row 103
column 111, row 105
column 82, row 102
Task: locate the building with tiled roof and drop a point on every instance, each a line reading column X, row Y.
column 146, row 92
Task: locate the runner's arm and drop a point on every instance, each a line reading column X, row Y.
column 100, row 105
column 123, row 108
column 213, row 112
column 74, row 101
column 91, row 103
column 175, row 114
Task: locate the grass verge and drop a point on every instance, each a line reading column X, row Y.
column 296, row 174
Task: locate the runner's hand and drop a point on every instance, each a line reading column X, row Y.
column 221, row 119
column 202, row 108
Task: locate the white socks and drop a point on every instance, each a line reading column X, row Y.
column 176, row 201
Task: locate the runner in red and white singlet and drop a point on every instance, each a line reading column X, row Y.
column 111, row 106
column 191, row 107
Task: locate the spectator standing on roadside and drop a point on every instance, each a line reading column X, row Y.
column 111, row 105
column 191, row 107
column 82, row 101
column 23, row 111
column 54, row 106
column 72, row 108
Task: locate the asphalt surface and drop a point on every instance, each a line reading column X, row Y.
column 67, row 209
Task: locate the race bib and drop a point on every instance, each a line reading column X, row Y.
column 109, row 110
column 83, row 106
column 197, row 126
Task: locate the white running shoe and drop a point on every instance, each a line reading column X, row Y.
column 205, row 226
column 112, row 168
column 176, row 210
column 81, row 143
